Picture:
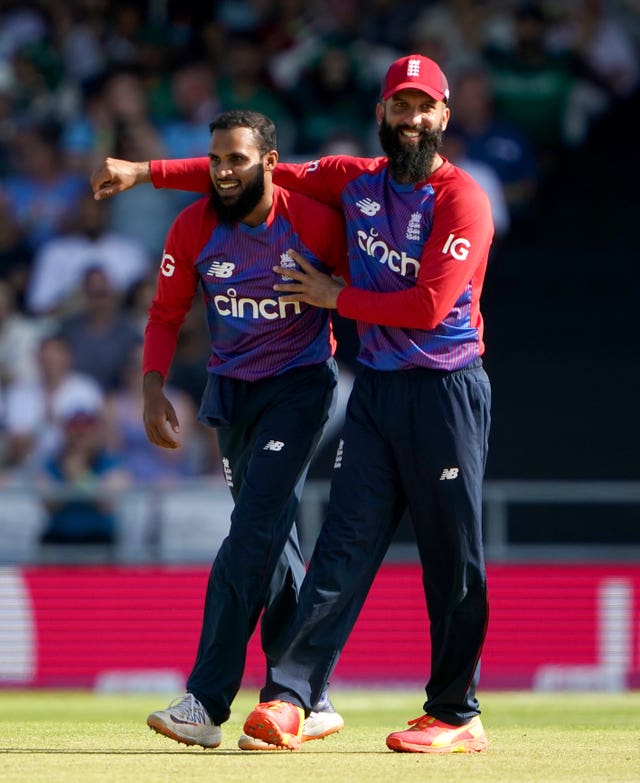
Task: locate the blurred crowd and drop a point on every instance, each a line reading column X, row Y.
column 83, row 79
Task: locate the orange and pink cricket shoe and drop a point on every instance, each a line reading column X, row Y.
column 280, row 723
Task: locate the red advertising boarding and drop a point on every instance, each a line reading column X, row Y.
column 552, row 627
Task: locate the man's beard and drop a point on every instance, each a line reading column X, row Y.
column 409, row 162
column 246, row 202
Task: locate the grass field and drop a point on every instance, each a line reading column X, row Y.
column 534, row 738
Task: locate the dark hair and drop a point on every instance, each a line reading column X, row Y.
column 263, row 128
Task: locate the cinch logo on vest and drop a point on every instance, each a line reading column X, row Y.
column 378, row 249
column 244, row 307
column 459, row 248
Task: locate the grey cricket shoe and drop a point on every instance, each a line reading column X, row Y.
column 322, row 722
column 186, row 720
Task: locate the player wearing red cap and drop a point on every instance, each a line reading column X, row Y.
column 416, row 431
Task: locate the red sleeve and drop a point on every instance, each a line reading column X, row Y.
column 326, row 178
column 181, row 174
column 321, row 229
column 454, row 256
column 177, row 285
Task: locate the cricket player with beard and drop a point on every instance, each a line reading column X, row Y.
column 415, row 438
column 271, row 382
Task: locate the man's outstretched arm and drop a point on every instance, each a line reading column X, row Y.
column 115, row 176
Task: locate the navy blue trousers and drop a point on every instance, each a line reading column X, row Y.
column 413, row 440
column 267, row 443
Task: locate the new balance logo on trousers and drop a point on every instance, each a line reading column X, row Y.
column 274, row 445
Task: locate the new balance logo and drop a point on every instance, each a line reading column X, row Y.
column 274, row 445
column 368, row 207
column 449, row 473
column 338, row 462
column 221, row 269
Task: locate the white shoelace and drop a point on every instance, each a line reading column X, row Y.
column 188, row 708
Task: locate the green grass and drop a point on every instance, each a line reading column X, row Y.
column 534, row 738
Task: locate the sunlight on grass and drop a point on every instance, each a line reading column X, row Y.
column 534, row 738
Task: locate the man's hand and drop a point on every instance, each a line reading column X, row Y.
column 115, row 175
column 158, row 413
column 308, row 284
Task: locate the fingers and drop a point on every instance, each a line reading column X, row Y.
column 104, row 183
column 300, row 260
column 112, row 177
column 105, row 192
column 161, row 436
column 287, row 287
column 293, row 274
column 306, row 269
column 160, row 429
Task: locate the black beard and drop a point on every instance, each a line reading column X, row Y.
column 246, row 202
column 409, row 163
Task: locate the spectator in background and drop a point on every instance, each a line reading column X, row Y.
column 451, row 33
column 42, row 194
column 139, row 300
column 187, row 371
column 19, row 338
column 16, row 256
column 330, row 98
column 533, row 85
column 33, row 408
column 20, row 24
column 127, row 20
column 385, row 23
column 495, row 142
column 125, row 434
column 61, row 263
column 606, row 45
column 7, row 119
column 608, row 53
column 143, row 216
column 81, row 480
column 41, row 92
column 79, row 29
column 113, row 103
column 245, row 84
column 454, row 148
column 101, row 335
column 195, row 102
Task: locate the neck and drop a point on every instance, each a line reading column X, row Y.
column 260, row 212
column 258, row 216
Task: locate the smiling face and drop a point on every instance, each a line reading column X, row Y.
column 240, row 175
column 410, row 131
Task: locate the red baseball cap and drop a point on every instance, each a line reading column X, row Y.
column 416, row 72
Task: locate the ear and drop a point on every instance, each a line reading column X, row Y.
column 379, row 112
column 270, row 160
column 446, row 115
